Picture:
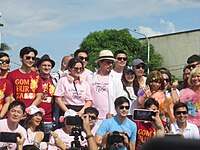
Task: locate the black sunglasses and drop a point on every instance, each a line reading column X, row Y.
column 126, row 107
column 181, row 112
column 140, row 66
column 86, row 58
column 121, row 58
column 4, row 61
column 91, row 117
column 29, row 57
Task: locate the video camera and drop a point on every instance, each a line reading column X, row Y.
column 115, row 138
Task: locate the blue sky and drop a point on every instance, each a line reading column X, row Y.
column 57, row 27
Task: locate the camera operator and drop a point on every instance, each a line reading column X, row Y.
column 127, row 129
column 149, row 129
column 89, row 136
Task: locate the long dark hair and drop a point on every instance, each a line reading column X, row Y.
column 135, row 84
column 26, row 123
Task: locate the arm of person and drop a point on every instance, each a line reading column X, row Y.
column 157, row 123
column 5, row 106
column 38, row 99
column 20, row 142
column 89, row 137
column 88, row 103
column 58, row 142
column 60, row 103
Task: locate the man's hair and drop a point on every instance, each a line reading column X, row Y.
column 119, row 52
column 193, row 58
column 27, row 50
column 91, row 110
column 74, row 61
column 2, row 54
column 17, row 103
column 121, row 100
column 79, row 51
column 178, row 105
column 150, row 102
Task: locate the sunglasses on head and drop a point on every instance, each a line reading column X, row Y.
column 181, row 112
column 121, row 58
column 140, row 66
column 78, row 69
column 126, row 107
column 4, row 61
column 82, row 58
column 29, row 57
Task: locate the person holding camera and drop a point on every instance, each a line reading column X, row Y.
column 148, row 129
column 118, row 132
column 10, row 125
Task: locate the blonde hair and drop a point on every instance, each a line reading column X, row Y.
column 194, row 71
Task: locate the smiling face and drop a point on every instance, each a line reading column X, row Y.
column 139, row 69
column 129, row 76
column 181, row 115
column 28, row 60
column 76, row 71
column 36, row 119
column 195, row 80
column 4, row 63
column 45, row 68
column 121, row 60
column 122, row 110
column 15, row 114
column 84, row 57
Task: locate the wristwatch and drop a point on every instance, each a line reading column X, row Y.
column 37, row 144
column 88, row 136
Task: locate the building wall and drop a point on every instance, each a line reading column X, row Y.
column 176, row 48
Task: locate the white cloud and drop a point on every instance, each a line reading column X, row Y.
column 30, row 18
column 170, row 27
column 148, row 31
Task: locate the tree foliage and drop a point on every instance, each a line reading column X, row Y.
column 115, row 40
column 4, row 47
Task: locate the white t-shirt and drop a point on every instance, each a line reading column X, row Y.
column 191, row 131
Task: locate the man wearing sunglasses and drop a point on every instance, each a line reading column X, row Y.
column 139, row 67
column 193, row 61
column 25, row 82
column 181, row 125
column 84, row 56
column 120, row 122
column 120, row 62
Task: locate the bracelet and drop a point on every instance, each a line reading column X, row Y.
column 89, row 136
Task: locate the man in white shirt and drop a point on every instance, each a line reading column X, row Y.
column 181, row 125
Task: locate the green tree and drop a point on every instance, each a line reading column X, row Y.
column 4, row 47
column 114, row 40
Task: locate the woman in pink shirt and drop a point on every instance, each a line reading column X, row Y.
column 71, row 91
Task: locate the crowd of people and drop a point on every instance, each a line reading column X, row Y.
column 75, row 108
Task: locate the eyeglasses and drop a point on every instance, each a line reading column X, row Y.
column 78, row 69
column 126, row 107
column 86, row 58
column 193, row 66
column 29, row 57
column 121, row 58
column 181, row 112
column 155, row 80
column 167, row 80
column 108, row 62
column 4, row 61
column 91, row 117
column 140, row 66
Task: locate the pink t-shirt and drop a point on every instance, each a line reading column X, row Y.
column 4, row 128
column 99, row 89
column 73, row 93
column 25, row 86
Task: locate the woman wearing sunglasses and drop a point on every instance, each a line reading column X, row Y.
column 72, row 92
column 191, row 96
